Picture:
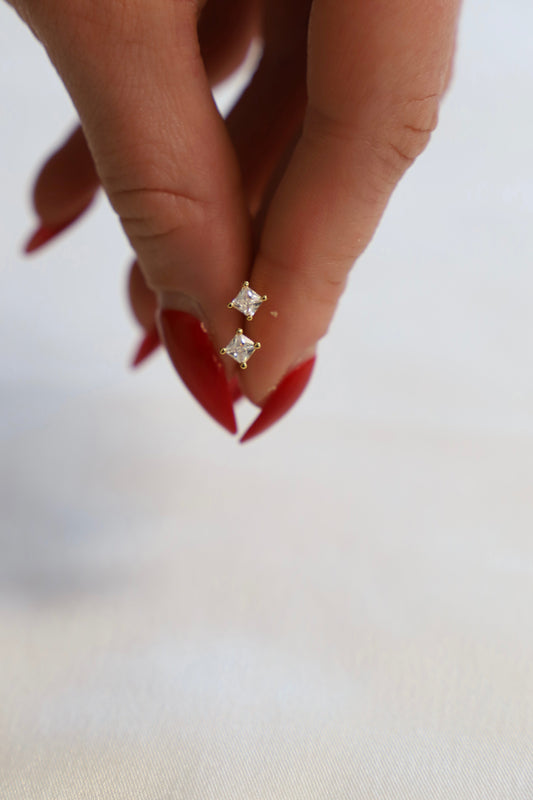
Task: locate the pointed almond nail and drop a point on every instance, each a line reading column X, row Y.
column 149, row 343
column 44, row 234
column 198, row 365
column 282, row 399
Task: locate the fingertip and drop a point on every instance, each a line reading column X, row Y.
column 281, row 400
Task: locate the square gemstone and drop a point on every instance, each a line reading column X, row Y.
column 247, row 301
column 240, row 348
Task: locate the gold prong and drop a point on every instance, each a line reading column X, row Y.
column 230, row 305
column 257, row 346
column 244, row 365
column 265, row 297
column 249, row 318
column 222, row 351
column 239, row 330
column 246, row 283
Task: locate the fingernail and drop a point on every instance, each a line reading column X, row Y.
column 282, row 399
column 44, row 234
column 198, row 365
column 149, row 343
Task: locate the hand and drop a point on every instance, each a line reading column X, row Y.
column 286, row 193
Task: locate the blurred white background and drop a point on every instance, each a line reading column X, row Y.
column 341, row 608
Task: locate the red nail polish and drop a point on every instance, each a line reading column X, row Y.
column 149, row 343
column 198, row 365
column 44, row 234
column 282, row 399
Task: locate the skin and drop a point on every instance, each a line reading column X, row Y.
column 288, row 191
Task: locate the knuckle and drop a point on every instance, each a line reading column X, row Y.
column 405, row 135
column 150, row 213
column 324, row 292
column 394, row 136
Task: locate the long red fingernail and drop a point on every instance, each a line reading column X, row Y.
column 150, row 342
column 44, row 234
column 281, row 399
column 198, row 365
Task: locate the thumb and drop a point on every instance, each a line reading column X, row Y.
column 376, row 72
column 136, row 76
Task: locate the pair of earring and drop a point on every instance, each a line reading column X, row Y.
column 241, row 348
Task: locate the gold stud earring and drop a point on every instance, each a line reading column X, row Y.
column 247, row 301
column 241, row 348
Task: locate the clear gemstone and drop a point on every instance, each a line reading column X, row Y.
column 247, row 301
column 240, row 348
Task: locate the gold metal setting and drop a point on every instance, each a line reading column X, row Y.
column 241, row 348
column 247, row 301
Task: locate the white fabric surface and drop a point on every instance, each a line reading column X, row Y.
column 342, row 609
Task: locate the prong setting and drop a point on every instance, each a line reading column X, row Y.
column 241, row 348
column 247, row 301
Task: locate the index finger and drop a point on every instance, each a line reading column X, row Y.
column 376, row 74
